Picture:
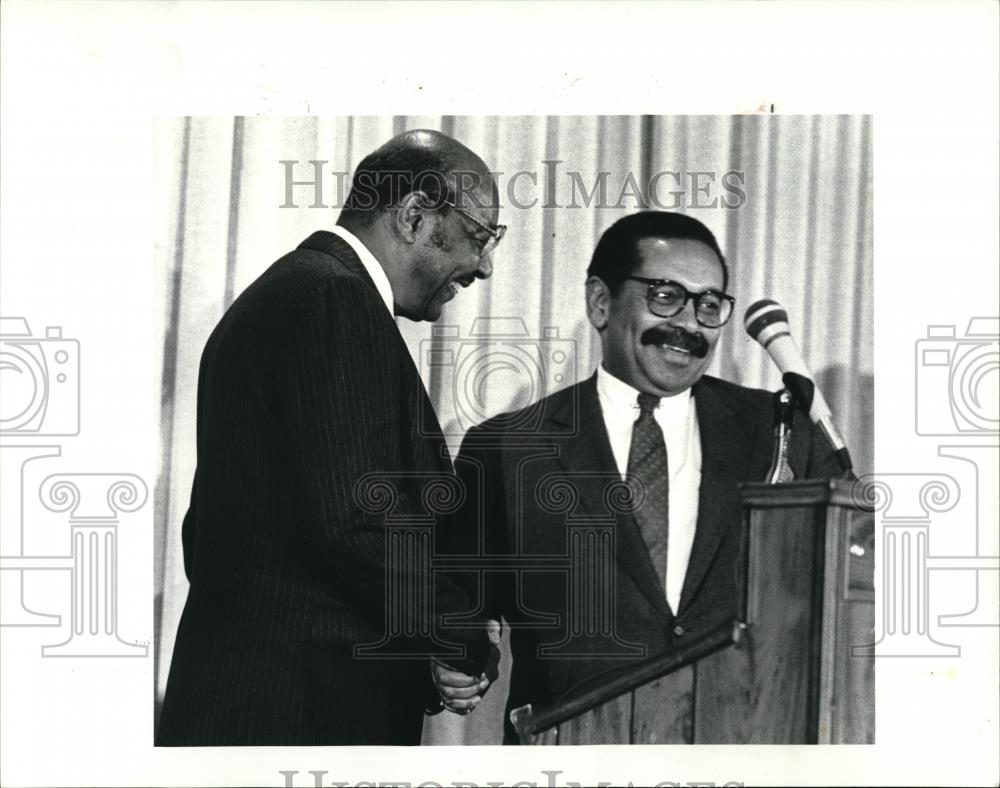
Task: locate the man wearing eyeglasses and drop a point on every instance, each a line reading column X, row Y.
column 681, row 440
column 307, row 390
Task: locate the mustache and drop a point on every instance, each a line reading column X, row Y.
column 695, row 344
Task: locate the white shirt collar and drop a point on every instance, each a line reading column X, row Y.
column 623, row 397
column 371, row 264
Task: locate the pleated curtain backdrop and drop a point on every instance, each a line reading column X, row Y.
column 788, row 197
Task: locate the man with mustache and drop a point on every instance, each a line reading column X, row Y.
column 683, row 441
column 306, row 390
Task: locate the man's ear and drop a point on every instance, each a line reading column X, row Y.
column 598, row 302
column 409, row 217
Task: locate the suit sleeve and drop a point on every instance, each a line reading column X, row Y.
column 485, row 524
column 188, row 536
column 345, row 391
column 480, row 527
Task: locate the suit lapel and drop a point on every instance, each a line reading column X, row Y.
column 725, row 455
column 587, row 452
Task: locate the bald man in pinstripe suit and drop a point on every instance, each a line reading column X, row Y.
column 305, row 387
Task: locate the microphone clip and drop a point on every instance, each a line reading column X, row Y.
column 803, row 391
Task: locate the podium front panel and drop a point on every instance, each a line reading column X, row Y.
column 766, row 691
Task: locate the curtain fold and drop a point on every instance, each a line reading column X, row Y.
column 800, row 232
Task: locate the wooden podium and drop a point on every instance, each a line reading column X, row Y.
column 782, row 671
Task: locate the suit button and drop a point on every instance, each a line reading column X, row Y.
column 678, row 630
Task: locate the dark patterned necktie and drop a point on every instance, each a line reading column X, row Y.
column 647, row 462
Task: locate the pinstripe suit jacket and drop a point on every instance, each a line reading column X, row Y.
column 305, row 386
column 521, row 516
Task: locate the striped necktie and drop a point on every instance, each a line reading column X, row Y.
column 647, row 462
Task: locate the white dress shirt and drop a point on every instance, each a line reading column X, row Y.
column 679, row 422
column 371, row 264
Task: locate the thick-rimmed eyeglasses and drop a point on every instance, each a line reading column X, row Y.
column 665, row 299
column 496, row 233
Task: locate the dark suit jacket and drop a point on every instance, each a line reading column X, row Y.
column 516, row 462
column 305, row 387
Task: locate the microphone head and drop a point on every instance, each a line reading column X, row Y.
column 765, row 319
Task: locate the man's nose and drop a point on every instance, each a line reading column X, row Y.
column 485, row 270
column 686, row 317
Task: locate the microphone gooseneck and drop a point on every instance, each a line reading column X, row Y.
column 767, row 323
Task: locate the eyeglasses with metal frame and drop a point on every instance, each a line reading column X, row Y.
column 496, row 233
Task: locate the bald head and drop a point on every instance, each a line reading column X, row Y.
column 442, row 169
column 426, row 207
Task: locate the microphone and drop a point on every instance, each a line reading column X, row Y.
column 767, row 322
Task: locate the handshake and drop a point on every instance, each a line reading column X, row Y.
column 461, row 693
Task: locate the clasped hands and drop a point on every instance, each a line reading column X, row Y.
column 461, row 693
